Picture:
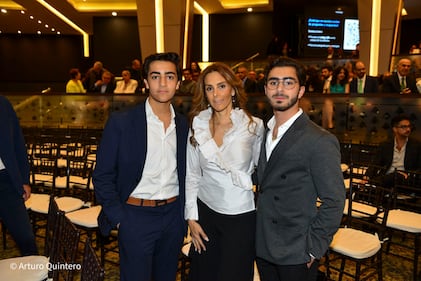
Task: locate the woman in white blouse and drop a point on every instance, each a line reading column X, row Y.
column 221, row 157
column 126, row 85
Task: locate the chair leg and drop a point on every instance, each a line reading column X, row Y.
column 3, row 230
column 341, row 274
column 416, row 252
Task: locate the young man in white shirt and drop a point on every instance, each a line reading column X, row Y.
column 140, row 177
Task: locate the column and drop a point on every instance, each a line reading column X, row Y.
column 173, row 17
column 388, row 13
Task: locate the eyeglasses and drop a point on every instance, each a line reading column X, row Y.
column 288, row 83
column 404, row 126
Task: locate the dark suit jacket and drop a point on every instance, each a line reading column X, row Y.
column 392, row 84
column 371, row 85
column 108, row 90
column 250, row 86
column 412, row 160
column 120, row 161
column 12, row 146
column 304, row 166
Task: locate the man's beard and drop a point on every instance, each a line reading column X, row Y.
column 290, row 103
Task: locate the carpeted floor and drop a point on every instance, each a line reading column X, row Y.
column 394, row 269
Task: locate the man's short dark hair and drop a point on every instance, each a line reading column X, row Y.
column 171, row 57
column 288, row 62
column 397, row 119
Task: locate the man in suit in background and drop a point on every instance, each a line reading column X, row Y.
column 401, row 81
column 14, row 180
column 363, row 83
column 248, row 84
column 401, row 153
column 106, row 85
column 299, row 162
column 139, row 178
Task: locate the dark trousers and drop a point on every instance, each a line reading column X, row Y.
column 15, row 216
column 150, row 240
column 230, row 251
column 274, row 272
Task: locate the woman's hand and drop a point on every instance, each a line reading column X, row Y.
column 198, row 235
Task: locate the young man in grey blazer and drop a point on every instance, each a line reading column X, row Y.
column 299, row 163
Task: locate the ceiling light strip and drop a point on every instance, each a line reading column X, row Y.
column 70, row 23
column 375, row 37
column 186, row 33
column 205, row 31
column 159, row 26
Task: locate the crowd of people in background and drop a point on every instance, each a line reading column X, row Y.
column 338, row 75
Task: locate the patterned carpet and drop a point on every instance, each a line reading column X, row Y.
column 394, row 269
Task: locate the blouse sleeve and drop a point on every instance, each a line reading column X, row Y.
column 193, row 176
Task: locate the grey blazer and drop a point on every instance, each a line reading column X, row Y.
column 304, row 166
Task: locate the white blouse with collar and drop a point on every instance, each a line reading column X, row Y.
column 221, row 176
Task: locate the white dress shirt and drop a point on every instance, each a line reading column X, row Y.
column 159, row 179
column 270, row 142
column 123, row 88
column 2, row 167
column 398, row 161
column 221, row 176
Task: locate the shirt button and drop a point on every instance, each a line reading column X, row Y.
column 283, row 177
column 276, row 198
column 274, row 221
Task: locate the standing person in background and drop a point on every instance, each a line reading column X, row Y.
column 127, row 85
column 299, row 163
column 140, row 177
column 14, row 180
column 401, row 81
column 136, row 74
column 363, row 83
column 221, row 156
column 248, row 84
column 194, row 67
column 74, row 85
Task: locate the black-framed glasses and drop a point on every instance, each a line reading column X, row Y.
column 288, row 83
column 404, row 127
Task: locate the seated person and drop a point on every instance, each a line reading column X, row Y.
column 106, row 85
column 126, row 85
column 401, row 81
column 74, row 85
column 401, row 153
column 363, row 83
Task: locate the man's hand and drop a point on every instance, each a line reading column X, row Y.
column 26, row 192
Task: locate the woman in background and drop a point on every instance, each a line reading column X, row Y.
column 74, row 85
column 222, row 154
column 340, row 81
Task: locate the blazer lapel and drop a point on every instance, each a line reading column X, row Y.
column 285, row 144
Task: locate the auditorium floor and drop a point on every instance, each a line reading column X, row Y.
column 394, row 269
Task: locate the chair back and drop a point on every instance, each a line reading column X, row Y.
column 67, row 245
column 368, row 206
column 54, row 217
column 91, row 266
column 408, row 191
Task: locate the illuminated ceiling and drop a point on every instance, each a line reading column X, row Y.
column 35, row 18
column 81, row 12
